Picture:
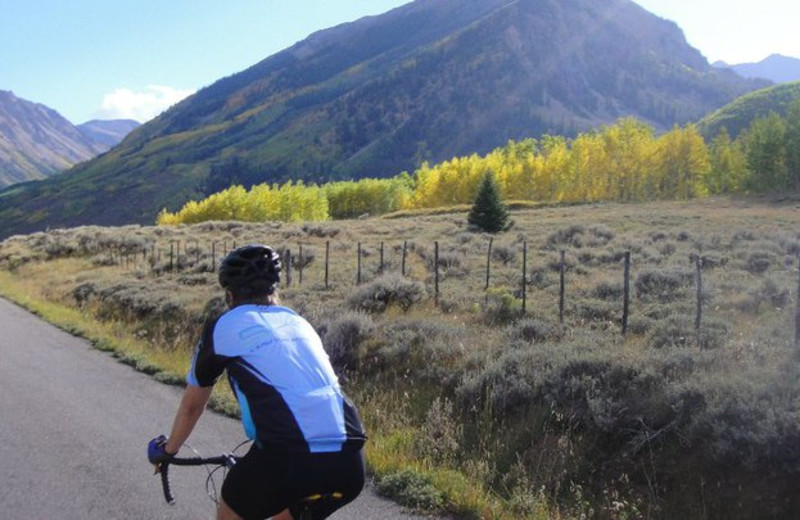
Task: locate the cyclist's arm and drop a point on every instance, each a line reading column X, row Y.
column 191, row 408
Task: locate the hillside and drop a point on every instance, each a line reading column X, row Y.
column 738, row 115
column 36, row 141
column 425, row 82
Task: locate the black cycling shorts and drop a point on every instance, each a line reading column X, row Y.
column 265, row 482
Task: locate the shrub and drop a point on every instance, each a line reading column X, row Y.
column 597, row 310
column 609, row 291
column 759, row 262
column 534, row 330
column 539, row 277
column 430, row 349
column 600, row 235
column 664, row 286
column 578, row 236
column 197, row 279
column 321, row 231
column 451, row 264
column 411, row 489
column 771, row 292
column 640, row 324
column 657, row 236
column 344, row 336
column 504, row 254
column 571, row 236
column 389, row 289
column 83, row 293
column 680, row 331
column 502, row 306
column 570, row 262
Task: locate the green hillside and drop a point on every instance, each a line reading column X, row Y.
column 739, row 114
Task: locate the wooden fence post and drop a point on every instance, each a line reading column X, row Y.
column 699, row 316
column 488, row 272
column 488, row 263
column 288, row 255
column 171, row 257
column 382, row 265
column 797, row 306
column 327, row 259
column 524, row 276
column 300, row 265
column 562, row 290
column 627, row 293
column 436, row 273
column 213, row 256
column 405, row 246
column 358, row 276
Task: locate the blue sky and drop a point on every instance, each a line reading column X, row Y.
column 109, row 59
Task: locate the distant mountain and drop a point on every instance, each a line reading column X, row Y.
column 36, row 141
column 738, row 115
column 110, row 133
column 776, row 68
column 427, row 81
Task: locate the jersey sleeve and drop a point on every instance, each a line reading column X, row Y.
column 207, row 365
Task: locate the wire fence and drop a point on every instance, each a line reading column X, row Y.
column 478, row 270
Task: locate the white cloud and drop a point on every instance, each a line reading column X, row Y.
column 142, row 106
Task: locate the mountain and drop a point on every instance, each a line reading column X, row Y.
column 738, row 115
column 109, row 133
column 36, row 141
column 427, row 81
column 776, row 68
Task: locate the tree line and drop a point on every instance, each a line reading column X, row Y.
column 623, row 162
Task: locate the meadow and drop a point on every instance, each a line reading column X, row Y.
column 475, row 407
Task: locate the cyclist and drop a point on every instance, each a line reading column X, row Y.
column 307, row 435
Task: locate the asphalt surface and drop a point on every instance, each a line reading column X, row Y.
column 74, row 425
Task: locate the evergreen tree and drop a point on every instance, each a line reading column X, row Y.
column 489, row 213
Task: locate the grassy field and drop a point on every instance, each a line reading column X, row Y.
column 475, row 407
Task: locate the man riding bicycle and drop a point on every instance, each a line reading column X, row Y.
column 307, row 436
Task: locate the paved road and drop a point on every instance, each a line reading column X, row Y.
column 74, row 425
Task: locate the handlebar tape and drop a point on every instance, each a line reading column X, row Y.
column 164, row 470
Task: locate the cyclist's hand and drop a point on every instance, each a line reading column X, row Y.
column 157, row 451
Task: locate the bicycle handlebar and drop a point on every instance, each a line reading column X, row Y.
column 228, row 460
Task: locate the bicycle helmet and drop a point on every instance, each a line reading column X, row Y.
column 254, row 268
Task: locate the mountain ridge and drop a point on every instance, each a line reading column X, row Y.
column 426, row 81
column 776, row 68
column 37, row 142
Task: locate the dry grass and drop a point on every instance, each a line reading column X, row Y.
column 554, row 421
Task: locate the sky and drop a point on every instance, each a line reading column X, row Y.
column 132, row 59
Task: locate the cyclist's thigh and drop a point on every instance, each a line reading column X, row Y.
column 256, row 487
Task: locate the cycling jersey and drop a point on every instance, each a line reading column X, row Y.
column 287, row 390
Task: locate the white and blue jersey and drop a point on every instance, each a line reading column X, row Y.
column 289, row 395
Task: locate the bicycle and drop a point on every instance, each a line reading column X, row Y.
column 225, row 462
